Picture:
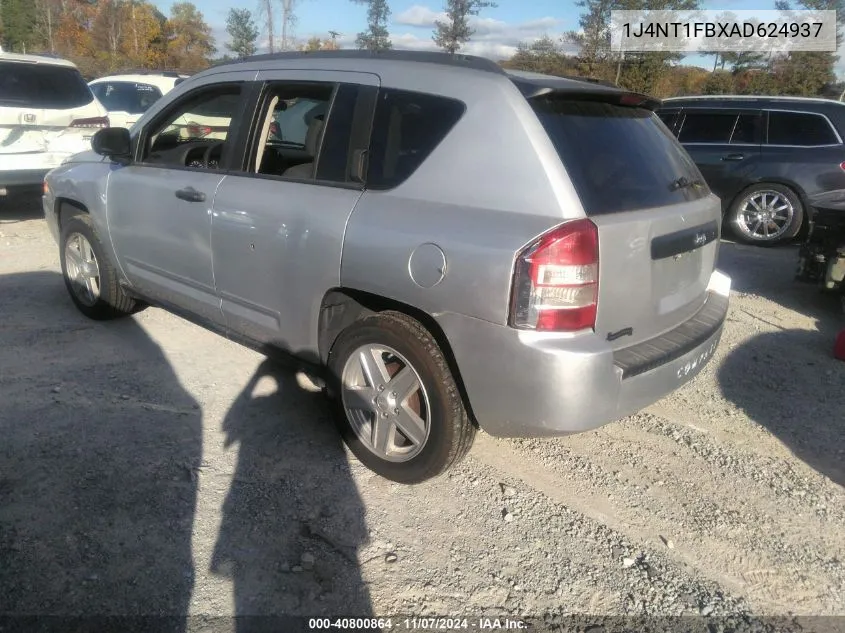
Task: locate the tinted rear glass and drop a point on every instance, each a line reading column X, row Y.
column 619, row 158
column 747, row 130
column 44, row 87
column 707, row 127
column 804, row 129
column 126, row 96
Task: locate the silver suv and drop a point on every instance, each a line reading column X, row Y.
column 445, row 244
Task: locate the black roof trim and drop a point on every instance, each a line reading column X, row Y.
column 427, row 57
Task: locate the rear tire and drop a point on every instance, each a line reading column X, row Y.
column 762, row 208
column 90, row 278
column 398, row 406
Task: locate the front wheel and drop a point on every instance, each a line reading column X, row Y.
column 89, row 276
column 766, row 214
column 398, row 406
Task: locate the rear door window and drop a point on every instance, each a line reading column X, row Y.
column 126, row 96
column 619, row 158
column 803, row 129
column 42, row 87
column 707, row 127
column 748, row 129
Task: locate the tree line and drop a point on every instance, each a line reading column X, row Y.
column 663, row 74
column 103, row 36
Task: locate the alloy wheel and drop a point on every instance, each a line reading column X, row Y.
column 385, row 402
column 765, row 215
column 82, row 269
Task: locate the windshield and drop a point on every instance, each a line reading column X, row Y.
column 619, row 158
column 126, row 96
column 42, row 86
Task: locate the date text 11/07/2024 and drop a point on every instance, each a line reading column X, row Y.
column 418, row 624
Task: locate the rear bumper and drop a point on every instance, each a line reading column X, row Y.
column 527, row 384
column 22, row 177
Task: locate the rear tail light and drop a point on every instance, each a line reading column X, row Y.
column 842, row 166
column 556, row 280
column 198, row 131
column 100, row 121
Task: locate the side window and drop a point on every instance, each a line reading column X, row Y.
column 800, row 128
column 290, row 129
column 707, row 127
column 195, row 132
column 668, row 117
column 406, row 129
column 747, row 130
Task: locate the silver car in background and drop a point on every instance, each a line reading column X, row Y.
column 445, row 244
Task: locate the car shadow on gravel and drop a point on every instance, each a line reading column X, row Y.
column 293, row 521
column 98, row 457
column 20, row 207
column 787, row 380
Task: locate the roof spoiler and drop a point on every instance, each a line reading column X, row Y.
column 617, row 96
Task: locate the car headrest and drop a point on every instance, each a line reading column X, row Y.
column 312, row 137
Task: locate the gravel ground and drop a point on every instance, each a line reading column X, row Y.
column 150, row 467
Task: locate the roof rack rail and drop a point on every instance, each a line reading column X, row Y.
column 430, row 57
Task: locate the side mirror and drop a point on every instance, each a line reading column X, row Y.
column 112, row 142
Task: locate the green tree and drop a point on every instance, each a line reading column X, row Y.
column 189, row 42
column 719, row 82
column 755, row 82
column 452, row 34
column 19, row 20
column 593, row 40
column 545, row 56
column 242, row 31
column 376, row 37
column 633, row 70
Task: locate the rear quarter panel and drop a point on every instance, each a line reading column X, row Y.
column 491, row 186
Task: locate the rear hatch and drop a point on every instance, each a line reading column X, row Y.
column 125, row 100
column 658, row 223
column 38, row 105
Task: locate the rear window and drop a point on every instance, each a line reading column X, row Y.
column 619, row 158
column 802, row 129
column 42, row 86
column 126, row 96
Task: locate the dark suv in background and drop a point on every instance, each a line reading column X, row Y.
column 763, row 156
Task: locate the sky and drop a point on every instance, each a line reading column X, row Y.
column 498, row 30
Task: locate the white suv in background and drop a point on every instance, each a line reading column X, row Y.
column 47, row 113
column 127, row 96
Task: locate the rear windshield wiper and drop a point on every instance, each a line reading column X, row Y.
column 684, row 183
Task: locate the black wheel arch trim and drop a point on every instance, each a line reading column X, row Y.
column 343, row 306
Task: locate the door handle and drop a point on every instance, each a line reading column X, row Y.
column 190, row 194
column 734, row 157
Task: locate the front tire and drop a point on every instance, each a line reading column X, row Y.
column 398, row 406
column 765, row 214
column 89, row 276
